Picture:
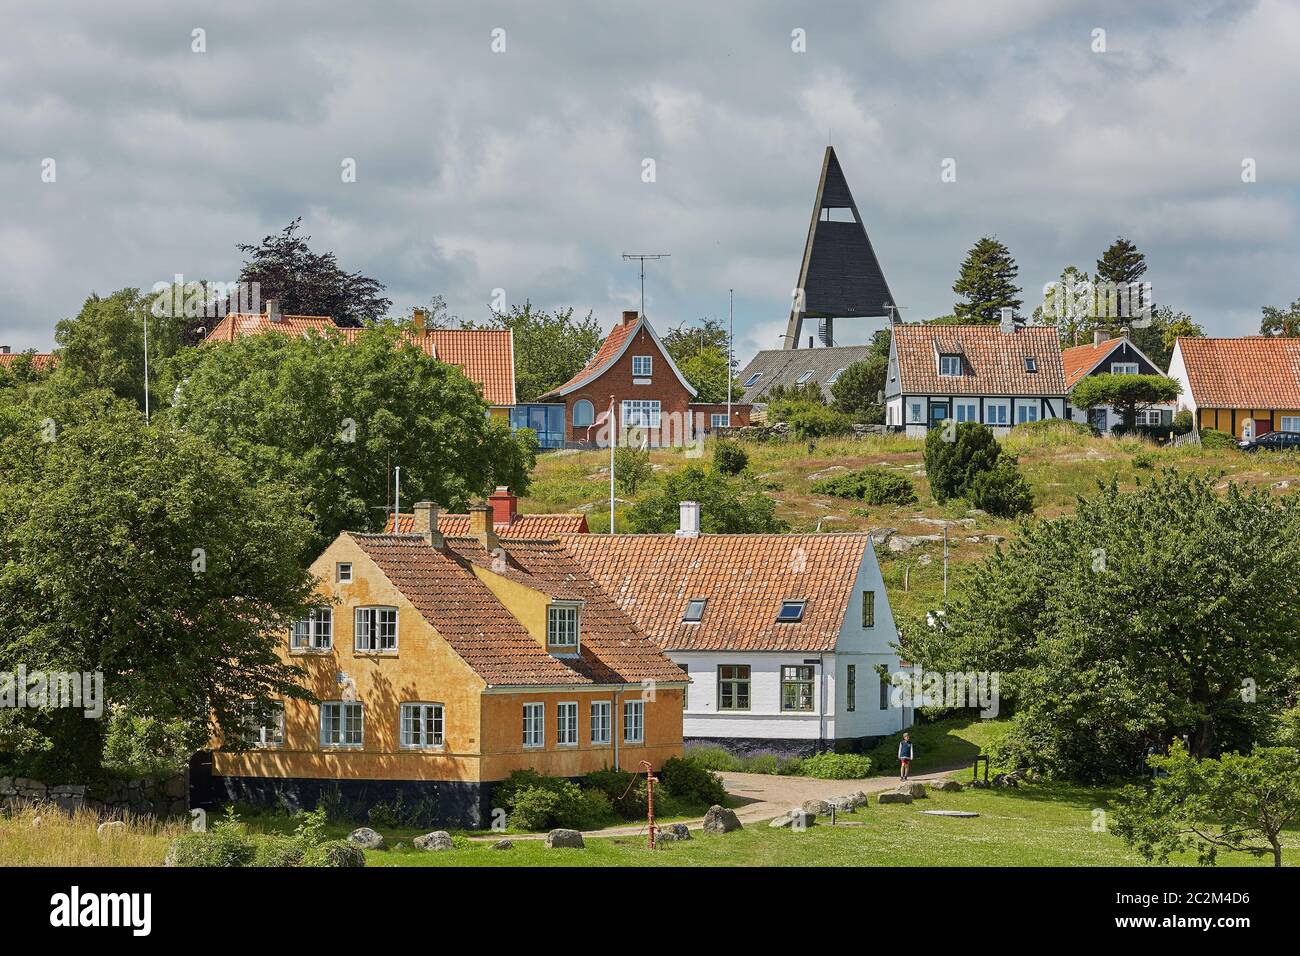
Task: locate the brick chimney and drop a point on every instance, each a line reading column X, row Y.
column 630, row 316
column 417, row 319
column 273, row 311
column 505, row 506
column 480, row 526
column 426, row 523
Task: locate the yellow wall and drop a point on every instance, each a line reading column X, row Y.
column 1221, row 418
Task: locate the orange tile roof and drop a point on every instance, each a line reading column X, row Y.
column 442, row 586
column 604, row 355
column 1253, row 372
column 486, row 356
column 524, row 525
column 744, row 578
column 994, row 360
column 40, row 360
column 1079, row 360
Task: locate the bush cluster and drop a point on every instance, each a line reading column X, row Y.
column 829, row 765
column 229, row 844
column 874, row 486
column 967, row 462
column 729, row 458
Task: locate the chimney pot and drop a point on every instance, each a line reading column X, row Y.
column 273, row 310
column 480, row 526
column 630, row 316
column 689, row 524
column 426, row 523
column 505, row 506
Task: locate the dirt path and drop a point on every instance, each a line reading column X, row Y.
column 767, row 795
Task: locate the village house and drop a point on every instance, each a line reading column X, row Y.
column 999, row 375
column 40, row 361
column 790, row 368
column 1246, row 387
column 1114, row 356
column 507, row 520
column 781, row 634
column 443, row 663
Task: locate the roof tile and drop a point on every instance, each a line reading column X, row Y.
column 1253, row 372
column 994, row 360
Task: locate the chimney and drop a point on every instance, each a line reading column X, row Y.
column 480, row 527
column 1008, row 321
column 1123, row 333
column 690, row 519
column 1098, row 336
column 629, row 316
column 417, row 319
column 426, row 523
column 504, row 506
column 273, row 311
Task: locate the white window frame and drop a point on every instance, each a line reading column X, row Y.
column 315, row 632
column 602, row 712
column 997, row 412
column 534, row 725
column 559, row 616
column 641, row 413
column 837, row 374
column 343, row 572
column 370, row 629
column 1123, row 368
column 346, row 720
column 633, row 721
column 1284, row 419
column 950, row 366
column 415, row 718
column 719, row 420
column 803, row 379
column 590, row 410
column 566, row 723
column 686, row 614
column 1144, row 417
column 970, row 404
column 642, row 366
column 1026, row 414
column 257, row 733
column 916, row 412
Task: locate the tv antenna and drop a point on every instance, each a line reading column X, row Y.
column 643, row 258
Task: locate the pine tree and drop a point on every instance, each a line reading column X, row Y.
column 1121, row 263
column 987, row 283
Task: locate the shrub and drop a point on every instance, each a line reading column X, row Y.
column 534, row 808
column 1144, row 459
column 631, row 468
column 335, row 853
column 729, row 458
column 691, row 782
column 1063, row 425
column 832, row 766
column 1002, row 491
column 950, row 465
column 225, row 845
column 713, row 758
column 278, row 851
column 818, row 421
column 625, row 791
column 536, row 802
column 1213, row 438
column 1183, row 422
column 875, row 486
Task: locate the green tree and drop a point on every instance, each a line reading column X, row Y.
column 1237, row 802
column 1157, row 338
column 987, row 283
column 550, row 347
column 856, row 392
column 1068, row 306
column 955, row 453
column 311, row 283
column 1129, row 394
column 727, row 505
column 332, row 418
column 707, row 372
column 144, row 554
column 1121, row 263
column 1131, row 621
column 631, row 468
column 1276, row 321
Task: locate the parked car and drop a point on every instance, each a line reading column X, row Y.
column 1273, row 441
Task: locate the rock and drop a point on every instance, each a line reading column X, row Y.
column 673, row 833
column 849, row 802
column 437, row 840
column 914, row 790
column 175, row 787
column 827, row 472
column 366, row 838
column 36, row 823
column 946, row 786
column 951, row 813
column 818, row 807
column 796, row 819
column 110, row 827
column 1004, row 780
column 721, row 820
column 880, row 535
column 558, row 839
column 893, row 797
column 906, row 542
column 924, row 559
column 503, row 845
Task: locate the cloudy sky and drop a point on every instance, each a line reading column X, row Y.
column 522, row 170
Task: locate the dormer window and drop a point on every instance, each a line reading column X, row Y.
column 949, row 364
column 1031, row 364
column 694, row 611
column 790, row 613
column 562, row 628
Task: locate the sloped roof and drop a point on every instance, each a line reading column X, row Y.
column 744, row 578
column 1253, row 372
column 610, row 351
column 524, row 525
column 1078, row 360
column 994, row 361
column 784, row 366
column 235, row 325
column 40, row 360
column 441, row 585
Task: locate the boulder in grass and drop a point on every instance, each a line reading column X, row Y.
column 797, row 819
column 915, row 790
column 821, row 808
column 721, row 820
column 503, row 845
column 366, row 838
column 561, row 838
column 848, row 802
column 946, row 786
column 673, row 833
column 893, row 796
column 437, row 840
column 111, row 828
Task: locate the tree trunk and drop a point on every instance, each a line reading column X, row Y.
column 1204, row 739
column 1277, row 849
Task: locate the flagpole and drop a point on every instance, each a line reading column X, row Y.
column 613, row 438
column 731, row 332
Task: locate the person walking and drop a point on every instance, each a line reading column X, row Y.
column 904, row 756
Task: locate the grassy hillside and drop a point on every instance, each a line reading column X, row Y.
column 1059, row 465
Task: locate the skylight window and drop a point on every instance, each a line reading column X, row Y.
column 752, row 379
column 791, row 611
column 1031, row 364
column 804, row 377
column 694, row 611
column 831, row 380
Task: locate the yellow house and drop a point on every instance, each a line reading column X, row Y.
column 441, row 664
column 1246, row 387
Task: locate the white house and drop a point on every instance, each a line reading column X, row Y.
column 782, row 634
column 998, row 375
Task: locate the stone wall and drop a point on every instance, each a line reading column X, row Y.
column 158, row 798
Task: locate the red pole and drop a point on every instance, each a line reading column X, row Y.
column 650, row 782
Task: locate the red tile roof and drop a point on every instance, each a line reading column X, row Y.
column 235, row 325
column 1254, row 372
column 744, row 577
column 606, row 354
column 524, row 525
column 442, row 586
column 994, row 361
column 1079, row 360
column 40, row 360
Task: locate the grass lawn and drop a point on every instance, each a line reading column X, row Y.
column 1036, row 825
column 946, row 743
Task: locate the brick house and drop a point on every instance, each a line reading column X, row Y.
column 441, row 664
column 650, row 393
